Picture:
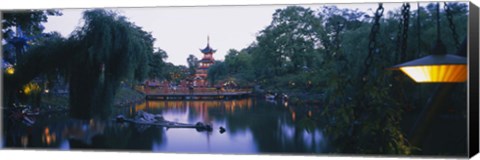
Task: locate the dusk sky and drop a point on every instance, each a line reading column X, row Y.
column 181, row 31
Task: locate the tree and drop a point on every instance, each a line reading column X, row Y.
column 192, row 63
column 157, row 63
column 28, row 21
column 238, row 65
column 331, row 45
column 288, row 44
column 109, row 49
column 216, row 72
column 20, row 29
column 96, row 58
column 28, row 26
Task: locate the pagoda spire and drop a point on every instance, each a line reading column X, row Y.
column 208, row 49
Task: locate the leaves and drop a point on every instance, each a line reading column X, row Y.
column 106, row 50
column 157, row 64
column 331, row 43
column 192, row 63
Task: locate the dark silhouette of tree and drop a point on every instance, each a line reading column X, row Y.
column 192, row 63
column 157, row 64
column 95, row 59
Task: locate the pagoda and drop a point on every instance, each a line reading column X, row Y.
column 204, row 64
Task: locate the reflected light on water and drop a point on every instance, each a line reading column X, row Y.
column 313, row 139
column 293, row 116
column 47, row 137
column 287, row 131
column 77, row 130
column 65, row 145
column 156, row 147
column 252, row 126
column 197, row 106
column 242, row 135
column 24, row 141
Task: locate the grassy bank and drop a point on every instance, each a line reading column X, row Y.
column 126, row 96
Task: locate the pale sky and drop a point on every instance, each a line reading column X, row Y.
column 181, row 31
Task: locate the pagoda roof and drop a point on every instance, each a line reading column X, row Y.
column 208, row 49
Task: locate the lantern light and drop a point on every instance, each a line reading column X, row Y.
column 10, row 70
column 439, row 67
column 31, row 87
column 436, row 68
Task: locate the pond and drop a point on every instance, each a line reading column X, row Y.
column 252, row 125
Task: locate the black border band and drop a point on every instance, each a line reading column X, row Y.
column 473, row 80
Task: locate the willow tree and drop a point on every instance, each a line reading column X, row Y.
column 95, row 59
column 109, row 49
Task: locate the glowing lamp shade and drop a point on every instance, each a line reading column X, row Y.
column 436, row 73
column 10, row 70
column 436, row 69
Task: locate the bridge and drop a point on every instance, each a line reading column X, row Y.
column 183, row 93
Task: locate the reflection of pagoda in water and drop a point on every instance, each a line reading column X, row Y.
column 200, row 107
column 205, row 63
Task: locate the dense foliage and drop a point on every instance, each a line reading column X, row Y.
column 109, row 49
column 324, row 51
column 94, row 60
column 20, row 26
column 192, row 62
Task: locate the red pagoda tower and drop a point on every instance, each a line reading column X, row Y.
column 205, row 63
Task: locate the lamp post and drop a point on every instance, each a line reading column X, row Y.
column 439, row 67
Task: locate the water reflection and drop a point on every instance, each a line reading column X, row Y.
column 24, row 141
column 48, row 137
column 251, row 126
column 65, row 145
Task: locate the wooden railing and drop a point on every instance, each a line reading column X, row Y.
column 185, row 90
